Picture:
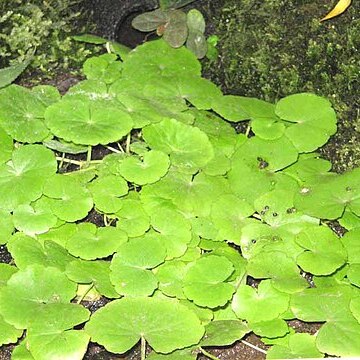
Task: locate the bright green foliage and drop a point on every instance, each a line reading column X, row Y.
column 154, row 319
column 23, row 177
column 224, row 332
column 90, row 242
column 176, row 219
column 297, row 346
column 23, row 118
column 262, row 304
column 205, row 281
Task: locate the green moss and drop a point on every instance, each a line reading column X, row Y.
column 44, row 27
column 273, row 48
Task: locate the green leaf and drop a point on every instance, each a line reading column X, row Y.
column 90, row 242
column 150, row 21
column 10, row 73
column 65, row 146
column 196, row 42
column 170, row 276
column 298, row 346
column 132, row 218
column 6, row 271
column 107, row 192
column 7, row 146
column 339, row 336
column 153, row 167
column 34, row 219
column 351, row 243
column 224, row 332
column 230, row 108
column 173, row 4
column 21, row 352
column 157, row 58
column 313, row 117
column 164, row 324
column 23, row 177
column 89, row 38
column 8, row 333
column 176, row 30
column 175, row 234
column 22, row 114
column 262, row 304
column 71, row 344
column 328, row 199
column 87, row 122
column 274, row 328
column 92, row 272
column 280, row 268
column 324, row 252
column 187, row 146
column 103, row 68
column 195, row 21
column 205, row 281
column 6, row 226
column 229, row 214
column 27, row 251
column 69, row 200
column 30, row 290
column 130, row 267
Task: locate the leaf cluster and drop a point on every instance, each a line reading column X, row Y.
column 191, row 211
column 175, row 26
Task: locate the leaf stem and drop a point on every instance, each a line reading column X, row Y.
column 76, row 162
column 88, row 156
column 128, row 140
column 143, row 348
column 253, row 346
column 114, row 150
column 207, row 354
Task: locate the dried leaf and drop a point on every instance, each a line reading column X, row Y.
column 339, row 8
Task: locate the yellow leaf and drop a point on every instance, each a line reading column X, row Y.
column 339, row 8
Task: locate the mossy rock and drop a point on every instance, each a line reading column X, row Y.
column 273, row 48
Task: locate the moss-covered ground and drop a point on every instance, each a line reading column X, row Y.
column 272, row 48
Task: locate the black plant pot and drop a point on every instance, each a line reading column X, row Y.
column 113, row 19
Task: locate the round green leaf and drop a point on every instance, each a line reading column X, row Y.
column 230, row 108
column 34, row 219
column 262, row 304
column 175, row 234
column 164, row 324
column 69, row 200
column 130, row 272
column 90, row 242
column 224, row 332
column 314, row 118
column 229, row 214
column 280, row 268
column 31, row 289
column 22, row 114
column 195, row 21
column 107, row 192
column 205, row 281
column 88, row 122
column 274, row 328
column 92, row 272
column 103, row 68
column 150, row 21
column 153, row 167
column 298, row 346
column 23, row 177
column 176, row 30
column 132, row 218
column 155, row 58
column 187, row 146
column 324, row 252
column 71, row 344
